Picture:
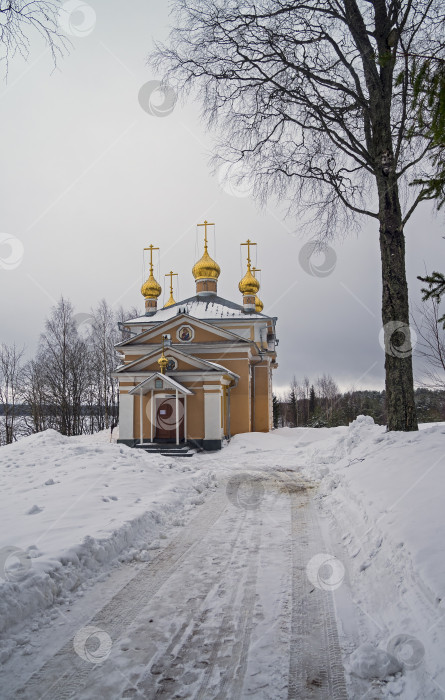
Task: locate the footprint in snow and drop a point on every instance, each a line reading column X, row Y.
column 34, row 510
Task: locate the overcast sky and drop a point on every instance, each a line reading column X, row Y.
column 89, row 178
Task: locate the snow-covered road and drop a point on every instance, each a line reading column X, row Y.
column 226, row 610
column 305, row 563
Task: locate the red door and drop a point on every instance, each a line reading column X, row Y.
column 166, row 418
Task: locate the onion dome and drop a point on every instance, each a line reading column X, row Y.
column 259, row 306
column 163, row 362
column 151, row 289
column 249, row 285
column 206, row 268
column 171, row 301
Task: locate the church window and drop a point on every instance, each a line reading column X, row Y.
column 185, row 334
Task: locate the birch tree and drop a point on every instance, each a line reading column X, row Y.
column 11, row 368
column 307, row 99
column 20, row 19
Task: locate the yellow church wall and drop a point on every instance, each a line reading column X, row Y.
column 205, row 336
column 153, row 366
column 195, row 413
column 200, row 335
column 239, row 396
column 224, row 422
column 125, row 387
column 247, row 412
column 182, row 364
column 236, row 327
column 132, row 358
column 136, row 417
column 261, row 400
column 222, row 356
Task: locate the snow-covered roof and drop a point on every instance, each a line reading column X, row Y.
column 215, row 364
column 211, row 307
column 168, row 380
column 174, row 352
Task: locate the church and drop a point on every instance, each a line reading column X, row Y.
column 199, row 370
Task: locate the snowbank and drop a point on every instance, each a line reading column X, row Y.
column 381, row 500
column 397, row 480
column 72, row 506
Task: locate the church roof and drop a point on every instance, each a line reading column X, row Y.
column 145, row 385
column 199, row 362
column 212, row 307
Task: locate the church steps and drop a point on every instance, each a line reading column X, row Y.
column 167, row 450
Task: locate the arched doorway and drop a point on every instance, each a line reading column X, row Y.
column 167, row 418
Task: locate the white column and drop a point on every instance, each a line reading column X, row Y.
column 126, row 417
column 212, row 415
column 228, row 414
column 140, row 416
column 185, row 417
column 152, row 415
column 177, row 417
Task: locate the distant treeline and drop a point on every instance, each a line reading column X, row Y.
column 68, row 384
column 322, row 405
column 22, row 409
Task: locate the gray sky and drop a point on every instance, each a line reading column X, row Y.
column 88, row 179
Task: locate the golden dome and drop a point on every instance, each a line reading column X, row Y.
column 259, row 306
column 206, row 268
column 151, row 289
column 170, row 302
column 163, row 362
column 249, row 285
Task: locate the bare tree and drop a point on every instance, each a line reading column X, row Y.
column 34, row 397
column 431, row 345
column 305, row 393
column 329, row 393
column 105, row 334
column 122, row 315
column 293, row 402
column 10, row 382
column 20, row 18
column 312, row 99
column 64, row 360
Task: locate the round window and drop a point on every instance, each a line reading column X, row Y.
column 185, row 334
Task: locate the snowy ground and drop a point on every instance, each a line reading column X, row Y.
column 307, row 563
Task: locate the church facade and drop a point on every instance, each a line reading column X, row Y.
column 199, row 370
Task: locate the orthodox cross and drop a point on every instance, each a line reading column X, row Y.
column 248, row 243
column 205, row 224
column 171, row 274
column 151, row 248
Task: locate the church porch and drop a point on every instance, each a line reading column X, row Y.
column 161, row 411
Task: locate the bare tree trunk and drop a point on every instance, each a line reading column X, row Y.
column 400, row 406
column 431, row 345
column 10, row 376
